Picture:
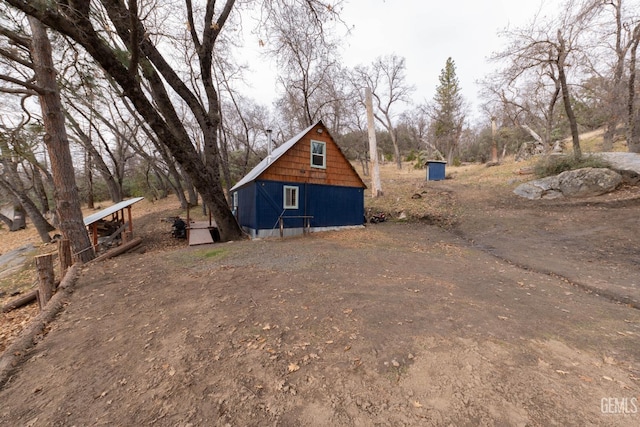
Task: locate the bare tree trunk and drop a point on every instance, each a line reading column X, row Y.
column 192, row 195
column 573, row 124
column 549, row 122
column 163, row 183
column 494, row 142
column 633, row 132
column 66, row 191
column 176, row 184
column 89, row 176
column 616, row 92
column 11, row 183
column 224, row 154
column 450, row 155
column 376, row 185
column 160, row 114
column 534, row 135
column 39, row 222
column 396, row 149
column 40, row 190
column 113, row 187
column 29, row 207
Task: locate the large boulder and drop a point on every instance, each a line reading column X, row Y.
column 585, row 182
column 545, row 188
column 626, row 164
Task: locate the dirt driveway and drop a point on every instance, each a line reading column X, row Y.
column 497, row 321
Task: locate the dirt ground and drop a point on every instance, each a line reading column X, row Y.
column 485, row 310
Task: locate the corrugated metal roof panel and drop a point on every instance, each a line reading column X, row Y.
column 110, row 210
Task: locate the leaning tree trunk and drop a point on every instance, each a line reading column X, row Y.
column 160, row 114
column 396, row 149
column 573, row 123
column 549, row 117
column 40, row 190
column 95, row 159
column 172, row 170
column 89, row 178
column 615, row 96
column 66, row 192
column 13, row 185
column 39, row 222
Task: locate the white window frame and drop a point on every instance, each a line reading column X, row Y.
column 323, row 155
column 296, row 190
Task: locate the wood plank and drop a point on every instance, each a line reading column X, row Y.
column 197, row 225
column 200, row 236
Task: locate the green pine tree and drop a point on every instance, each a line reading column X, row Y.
column 448, row 109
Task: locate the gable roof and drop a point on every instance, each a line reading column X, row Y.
column 275, row 155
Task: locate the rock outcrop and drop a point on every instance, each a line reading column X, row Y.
column 585, row 182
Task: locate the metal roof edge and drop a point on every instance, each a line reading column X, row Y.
column 110, row 210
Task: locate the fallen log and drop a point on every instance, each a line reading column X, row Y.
column 23, row 300
column 17, row 351
column 525, row 171
column 119, row 250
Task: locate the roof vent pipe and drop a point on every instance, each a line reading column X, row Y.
column 269, row 146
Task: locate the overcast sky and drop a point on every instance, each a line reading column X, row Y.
column 426, row 33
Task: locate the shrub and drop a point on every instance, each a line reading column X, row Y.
column 554, row 165
column 421, row 159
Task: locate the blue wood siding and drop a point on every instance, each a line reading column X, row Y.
column 260, row 204
column 335, row 206
column 246, row 213
column 269, row 203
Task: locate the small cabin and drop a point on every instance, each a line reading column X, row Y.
column 305, row 185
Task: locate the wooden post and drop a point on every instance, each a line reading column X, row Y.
column 130, row 221
column 376, row 186
column 44, row 265
column 64, row 254
column 94, row 234
column 127, row 236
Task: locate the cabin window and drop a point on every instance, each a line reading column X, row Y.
column 290, row 197
column 318, row 154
